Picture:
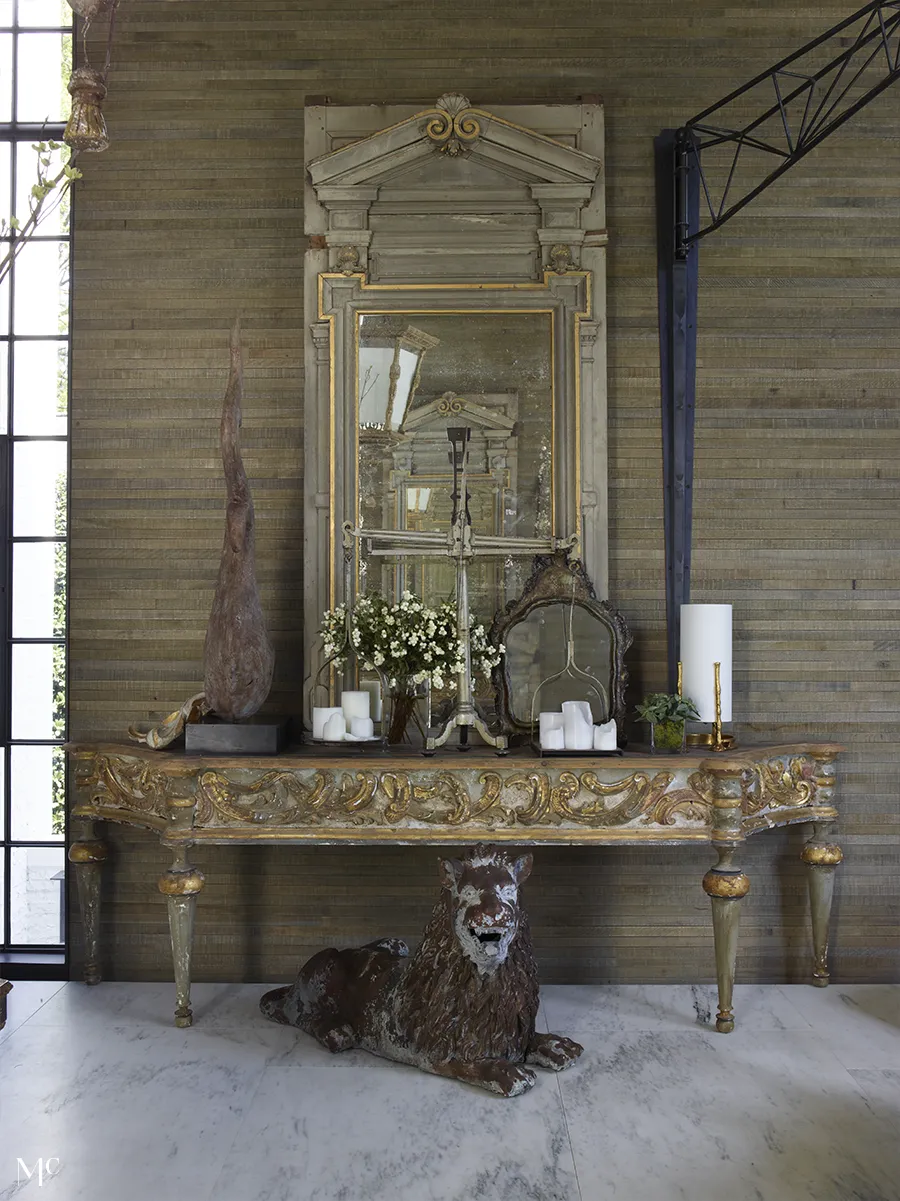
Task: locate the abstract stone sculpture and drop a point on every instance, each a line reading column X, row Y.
column 238, row 659
column 463, row 1006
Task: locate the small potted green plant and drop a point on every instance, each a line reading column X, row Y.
column 666, row 712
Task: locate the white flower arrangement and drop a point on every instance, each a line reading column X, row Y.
column 407, row 643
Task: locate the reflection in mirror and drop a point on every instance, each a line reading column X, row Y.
column 420, row 373
column 536, row 651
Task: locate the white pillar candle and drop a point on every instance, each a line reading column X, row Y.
column 547, row 722
column 578, row 728
column 320, row 716
column 553, row 739
column 362, row 727
column 705, row 641
column 605, row 737
column 373, row 687
column 335, row 727
column 355, row 704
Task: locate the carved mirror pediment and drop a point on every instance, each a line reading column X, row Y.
column 455, row 276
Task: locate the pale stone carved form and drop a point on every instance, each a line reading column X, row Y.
column 463, row 1006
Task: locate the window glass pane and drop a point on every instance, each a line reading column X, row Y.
column 38, row 691
column 6, row 151
column 6, row 76
column 44, row 12
column 4, row 300
column 39, row 489
column 4, row 384
column 42, row 288
column 36, row 895
column 39, row 590
column 54, row 212
column 40, row 395
column 37, row 791
column 2, row 829
column 6, row 17
column 43, row 72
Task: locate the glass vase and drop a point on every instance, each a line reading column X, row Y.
column 667, row 737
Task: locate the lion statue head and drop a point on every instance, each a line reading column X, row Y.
column 484, row 902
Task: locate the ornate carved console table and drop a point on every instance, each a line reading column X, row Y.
column 305, row 797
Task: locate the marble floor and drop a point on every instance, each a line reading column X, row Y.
column 103, row 1100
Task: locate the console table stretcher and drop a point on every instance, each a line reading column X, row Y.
column 453, row 799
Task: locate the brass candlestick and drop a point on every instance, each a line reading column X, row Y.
column 716, row 741
column 680, row 684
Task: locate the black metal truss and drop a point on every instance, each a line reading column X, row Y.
column 806, row 106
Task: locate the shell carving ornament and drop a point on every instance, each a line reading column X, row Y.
column 453, row 126
column 463, row 1006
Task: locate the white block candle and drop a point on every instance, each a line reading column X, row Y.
column 373, row 687
column 605, row 737
column 705, row 641
column 548, row 722
column 320, row 716
column 335, row 727
column 362, row 727
column 355, row 704
column 578, row 725
column 553, row 739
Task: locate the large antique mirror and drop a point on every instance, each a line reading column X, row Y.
column 455, row 277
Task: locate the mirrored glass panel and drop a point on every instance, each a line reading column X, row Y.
column 38, row 691
column 45, row 61
column 420, row 374
column 37, row 792
column 36, row 895
column 39, row 489
column 536, row 650
column 40, row 388
column 39, row 590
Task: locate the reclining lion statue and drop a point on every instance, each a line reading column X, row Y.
column 464, row 1005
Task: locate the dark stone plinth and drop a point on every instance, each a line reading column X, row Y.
column 256, row 736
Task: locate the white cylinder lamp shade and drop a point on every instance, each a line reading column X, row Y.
column 705, row 641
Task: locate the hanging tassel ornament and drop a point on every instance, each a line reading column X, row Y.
column 86, row 127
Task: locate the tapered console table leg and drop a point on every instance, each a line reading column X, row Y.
column 726, row 886
column 821, row 858
column 88, row 857
column 180, row 886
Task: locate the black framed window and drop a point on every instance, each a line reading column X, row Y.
column 35, row 350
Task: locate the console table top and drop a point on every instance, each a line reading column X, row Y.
column 312, row 794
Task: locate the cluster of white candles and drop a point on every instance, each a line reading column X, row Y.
column 354, row 719
column 573, row 730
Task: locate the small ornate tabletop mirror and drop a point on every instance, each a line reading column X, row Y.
column 535, row 629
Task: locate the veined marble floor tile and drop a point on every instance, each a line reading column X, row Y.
column 24, row 1001
column 882, row 1091
column 396, row 1134
column 606, row 1012
column 687, row 1116
column 860, row 1021
column 149, row 1004
column 127, row 1112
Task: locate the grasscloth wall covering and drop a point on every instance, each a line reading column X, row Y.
column 194, row 215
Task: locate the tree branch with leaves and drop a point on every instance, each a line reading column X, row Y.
column 45, row 197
